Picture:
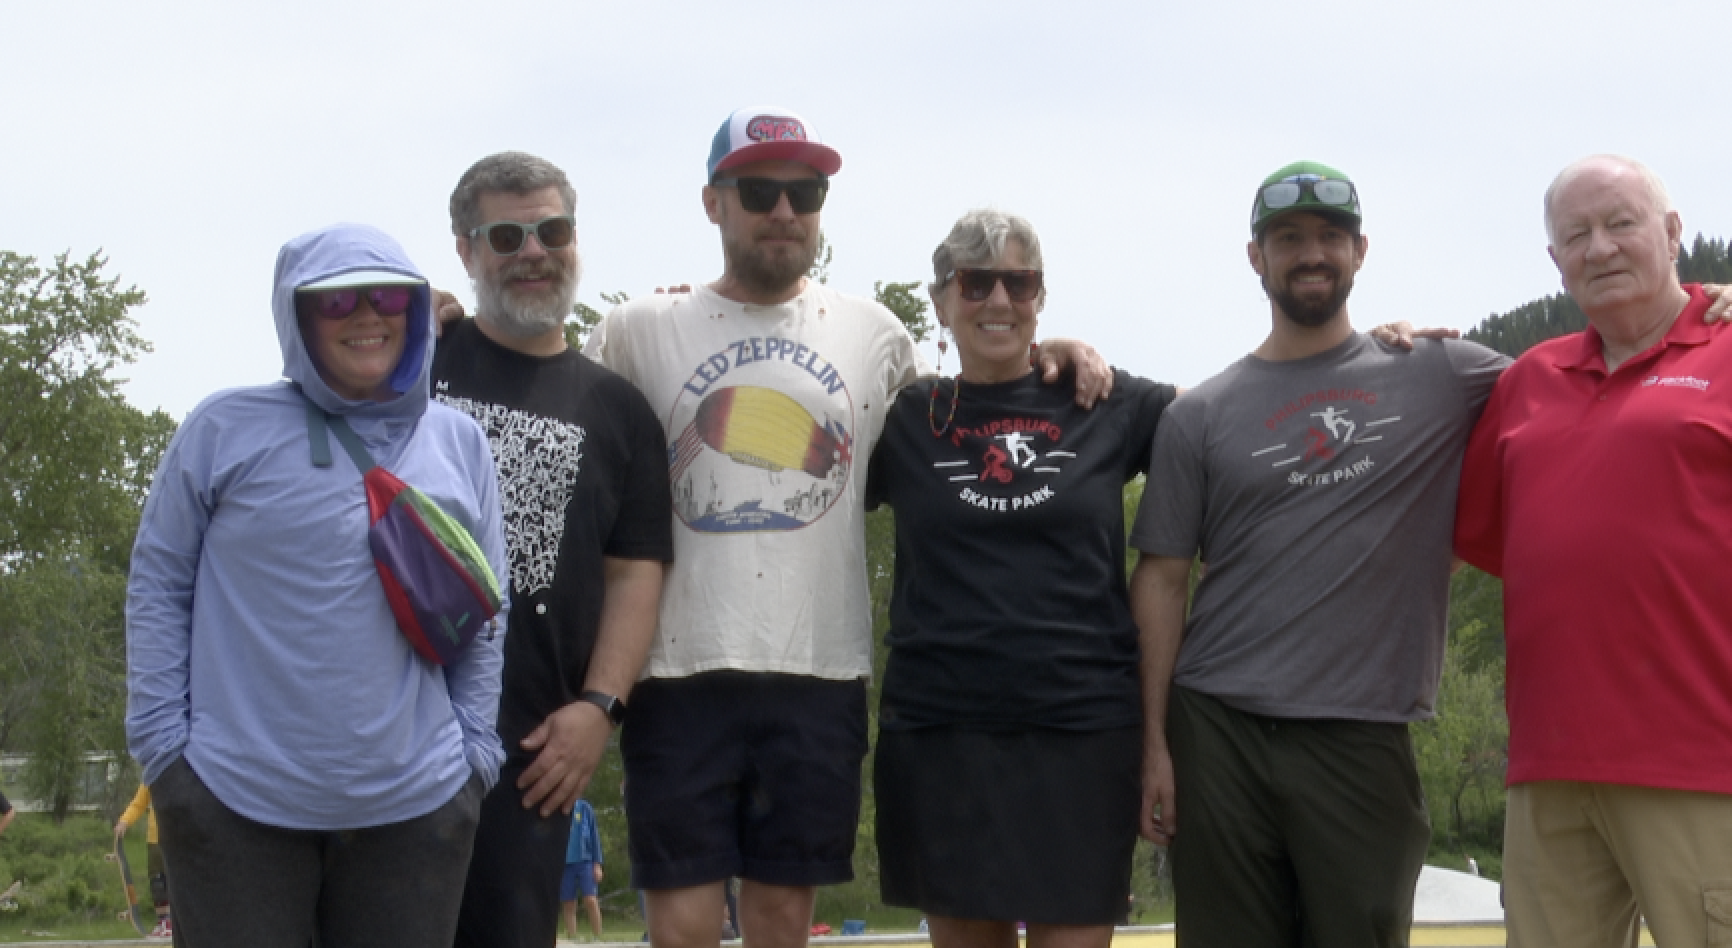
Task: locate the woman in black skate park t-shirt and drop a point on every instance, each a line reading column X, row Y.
column 1010, row 745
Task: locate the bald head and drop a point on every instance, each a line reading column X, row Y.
column 1615, row 166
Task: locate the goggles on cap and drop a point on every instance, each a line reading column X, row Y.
column 507, row 237
column 1330, row 192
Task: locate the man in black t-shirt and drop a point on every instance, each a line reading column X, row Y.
column 583, row 478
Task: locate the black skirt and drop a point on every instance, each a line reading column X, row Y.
column 1035, row 825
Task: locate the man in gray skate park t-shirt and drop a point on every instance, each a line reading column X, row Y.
column 1316, row 478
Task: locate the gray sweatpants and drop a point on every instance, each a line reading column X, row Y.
column 239, row 882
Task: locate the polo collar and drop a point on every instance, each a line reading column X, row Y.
column 1687, row 330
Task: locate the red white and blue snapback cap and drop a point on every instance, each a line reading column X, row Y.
column 767, row 133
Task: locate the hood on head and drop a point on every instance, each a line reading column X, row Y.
column 343, row 248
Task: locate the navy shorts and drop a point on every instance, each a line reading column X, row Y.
column 578, row 879
column 746, row 774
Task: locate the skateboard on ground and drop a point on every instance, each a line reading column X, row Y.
column 131, row 913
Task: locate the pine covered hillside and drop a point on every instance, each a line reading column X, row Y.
column 1521, row 328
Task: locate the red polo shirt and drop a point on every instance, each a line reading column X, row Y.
column 1605, row 503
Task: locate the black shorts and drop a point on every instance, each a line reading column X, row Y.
column 745, row 774
column 1036, row 825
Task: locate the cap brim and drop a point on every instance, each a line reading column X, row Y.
column 354, row 278
column 821, row 158
column 1340, row 217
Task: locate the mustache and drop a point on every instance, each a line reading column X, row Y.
column 1323, row 269
column 789, row 231
column 544, row 269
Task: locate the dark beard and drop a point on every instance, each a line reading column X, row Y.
column 1310, row 314
column 761, row 273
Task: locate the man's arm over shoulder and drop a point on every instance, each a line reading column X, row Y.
column 1476, row 367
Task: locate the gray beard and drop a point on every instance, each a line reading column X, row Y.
column 526, row 318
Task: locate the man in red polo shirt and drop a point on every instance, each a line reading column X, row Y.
column 1598, row 484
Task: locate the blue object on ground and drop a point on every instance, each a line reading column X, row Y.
column 853, row 926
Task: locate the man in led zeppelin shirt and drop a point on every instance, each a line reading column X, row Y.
column 745, row 739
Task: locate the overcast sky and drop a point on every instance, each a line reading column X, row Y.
column 189, row 140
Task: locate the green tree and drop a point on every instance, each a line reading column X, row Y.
column 75, row 463
column 820, row 270
column 584, row 319
column 75, row 458
column 1706, row 261
column 1463, row 750
column 905, row 301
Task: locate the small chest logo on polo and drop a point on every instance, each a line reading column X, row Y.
column 762, row 438
column 775, row 128
column 1007, row 464
column 1324, row 437
column 1676, row 381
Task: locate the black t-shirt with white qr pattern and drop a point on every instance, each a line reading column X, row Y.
column 1009, row 609
column 583, row 474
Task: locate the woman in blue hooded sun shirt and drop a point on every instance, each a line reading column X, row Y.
column 312, row 774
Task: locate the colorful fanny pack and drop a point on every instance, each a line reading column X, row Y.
column 438, row 582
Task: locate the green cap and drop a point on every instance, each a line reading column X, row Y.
column 1304, row 178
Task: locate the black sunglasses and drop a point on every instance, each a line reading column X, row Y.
column 760, row 195
column 976, row 284
column 507, row 237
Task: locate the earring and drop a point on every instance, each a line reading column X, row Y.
column 955, row 389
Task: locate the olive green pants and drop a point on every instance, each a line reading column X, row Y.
column 1292, row 833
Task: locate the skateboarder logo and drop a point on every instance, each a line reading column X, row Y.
column 1317, row 443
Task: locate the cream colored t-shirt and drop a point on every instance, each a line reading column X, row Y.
column 771, row 413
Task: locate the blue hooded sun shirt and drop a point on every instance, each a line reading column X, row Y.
column 259, row 642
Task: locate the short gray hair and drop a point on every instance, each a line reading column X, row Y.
column 513, row 172
column 1657, row 193
column 977, row 240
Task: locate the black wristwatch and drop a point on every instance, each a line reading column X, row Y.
column 611, row 706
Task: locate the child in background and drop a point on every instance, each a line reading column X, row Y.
column 582, row 870
column 155, row 868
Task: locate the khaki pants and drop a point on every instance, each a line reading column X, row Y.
column 1585, row 862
